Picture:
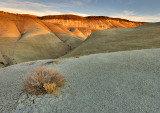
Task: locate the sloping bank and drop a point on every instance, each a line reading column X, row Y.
column 125, row 82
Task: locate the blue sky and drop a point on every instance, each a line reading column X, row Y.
column 136, row 10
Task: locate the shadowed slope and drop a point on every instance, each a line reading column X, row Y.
column 120, row 39
column 70, row 40
column 44, row 46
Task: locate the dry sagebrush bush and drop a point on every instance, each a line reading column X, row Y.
column 43, row 80
column 52, row 88
column 56, row 62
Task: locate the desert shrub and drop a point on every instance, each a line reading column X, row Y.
column 52, row 87
column 43, row 80
column 56, row 62
column 76, row 56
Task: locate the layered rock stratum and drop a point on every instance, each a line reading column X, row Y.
column 84, row 26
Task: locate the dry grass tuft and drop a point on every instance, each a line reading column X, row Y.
column 43, row 80
column 52, row 88
column 56, row 62
column 76, row 56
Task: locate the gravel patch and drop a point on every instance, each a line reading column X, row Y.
column 120, row 82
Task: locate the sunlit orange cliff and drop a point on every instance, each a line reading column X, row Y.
column 84, row 26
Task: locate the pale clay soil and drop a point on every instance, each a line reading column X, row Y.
column 119, row 82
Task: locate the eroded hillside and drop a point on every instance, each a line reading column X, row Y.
column 120, row 39
column 25, row 38
column 28, row 37
column 84, row 26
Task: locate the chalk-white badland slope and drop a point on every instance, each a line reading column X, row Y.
column 120, row 82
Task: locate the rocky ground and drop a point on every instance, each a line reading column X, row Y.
column 119, row 82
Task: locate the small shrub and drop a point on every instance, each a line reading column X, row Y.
column 76, row 56
column 49, row 87
column 43, row 80
column 56, row 62
column 52, row 88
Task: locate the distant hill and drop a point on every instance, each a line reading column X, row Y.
column 84, row 26
column 120, row 39
column 25, row 37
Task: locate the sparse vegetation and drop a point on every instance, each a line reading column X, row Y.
column 43, row 80
column 52, row 87
column 56, row 62
column 76, row 56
